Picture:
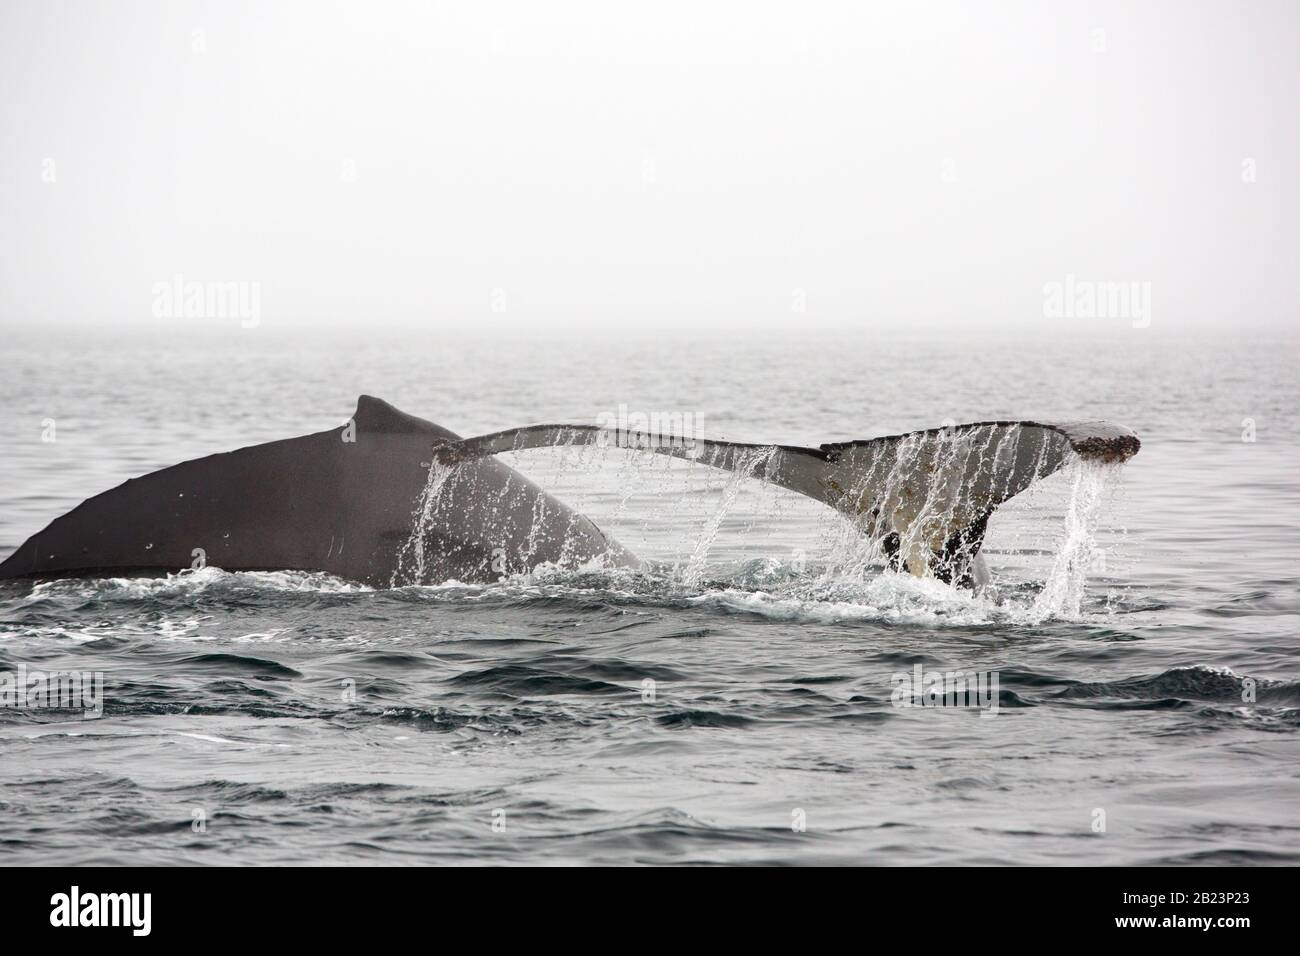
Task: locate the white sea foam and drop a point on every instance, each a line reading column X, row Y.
column 189, row 583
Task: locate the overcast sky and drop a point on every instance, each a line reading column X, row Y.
column 693, row 164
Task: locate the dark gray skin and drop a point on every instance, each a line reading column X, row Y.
column 320, row 503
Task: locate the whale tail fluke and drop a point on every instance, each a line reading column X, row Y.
column 926, row 496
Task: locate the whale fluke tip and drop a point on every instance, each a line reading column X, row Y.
column 1101, row 441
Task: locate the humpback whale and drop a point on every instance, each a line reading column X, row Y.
column 357, row 501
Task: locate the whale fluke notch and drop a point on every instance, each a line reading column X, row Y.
column 926, row 495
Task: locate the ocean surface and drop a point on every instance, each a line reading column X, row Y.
column 733, row 702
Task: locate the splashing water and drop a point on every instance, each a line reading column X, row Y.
column 750, row 463
column 852, row 582
column 1062, row 593
column 413, row 561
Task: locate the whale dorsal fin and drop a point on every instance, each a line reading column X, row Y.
column 377, row 417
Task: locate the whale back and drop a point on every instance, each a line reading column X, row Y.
column 341, row 501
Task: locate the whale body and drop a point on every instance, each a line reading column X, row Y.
column 343, row 501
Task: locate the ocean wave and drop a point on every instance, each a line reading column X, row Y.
column 1197, row 682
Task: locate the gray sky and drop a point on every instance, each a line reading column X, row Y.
column 692, row 164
